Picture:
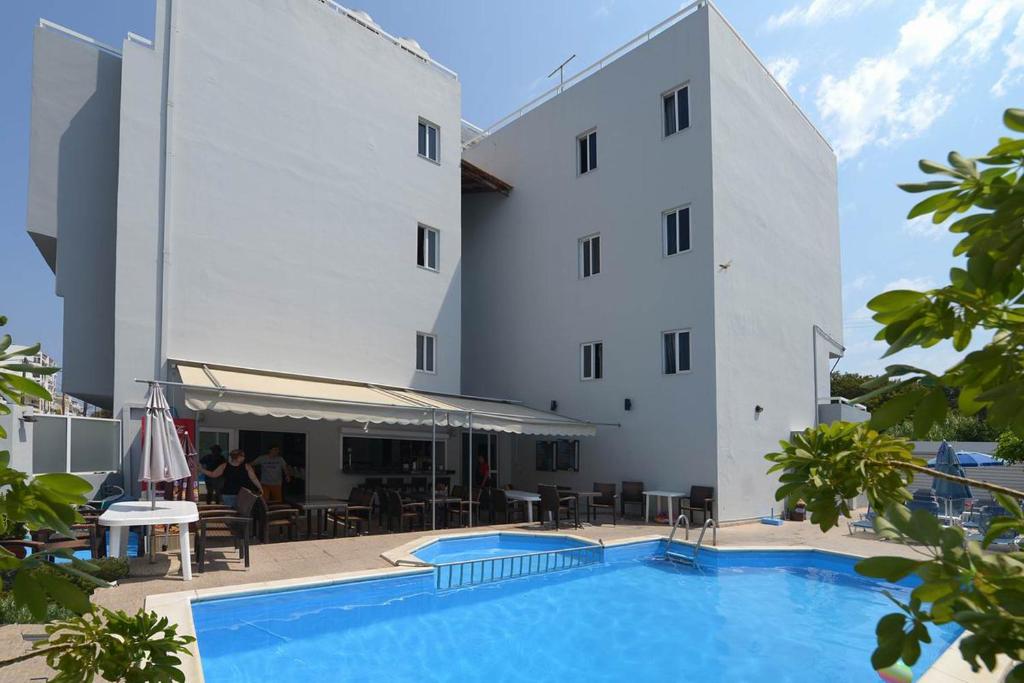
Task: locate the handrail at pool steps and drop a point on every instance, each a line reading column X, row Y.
column 692, row 559
column 466, row 573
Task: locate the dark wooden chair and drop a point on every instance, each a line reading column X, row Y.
column 398, row 511
column 461, row 509
column 360, row 509
column 553, row 503
column 701, row 499
column 606, row 502
column 632, row 494
column 276, row 519
column 232, row 528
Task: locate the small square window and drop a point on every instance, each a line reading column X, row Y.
column 592, row 360
column 587, row 146
column 590, row 256
column 676, row 106
column 675, row 351
column 676, row 231
column 429, row 138
column 425, row 352
column 428, row 242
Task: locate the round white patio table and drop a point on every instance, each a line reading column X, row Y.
column 527, row 497
column 667, row 495
column 120, row 516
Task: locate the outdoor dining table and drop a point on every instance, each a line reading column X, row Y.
column 667, row 495
column 319, row 505
column 527, row 497
column 442, row 502
column 120, row 517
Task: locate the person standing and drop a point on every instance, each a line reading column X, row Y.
column 237, row 474
column 214, row 485
column 483, row 470
column 274, row 471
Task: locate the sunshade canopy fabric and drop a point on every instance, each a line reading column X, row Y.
column 253, row 392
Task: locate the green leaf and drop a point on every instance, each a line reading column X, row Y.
column 933, row 167
column 895, row 300
column 888, row 568
column 1014, row 119
column 24, row 385
column 929, row 411
column 929, row 186
column 895, row 409
column 64, row 592
column 29, row 593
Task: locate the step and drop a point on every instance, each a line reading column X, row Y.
column 679, row 557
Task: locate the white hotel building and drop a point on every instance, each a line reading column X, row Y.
column 275, row 207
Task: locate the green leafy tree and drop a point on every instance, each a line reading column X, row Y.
column 961, row 581
column 94, row 642
column 1010, row 447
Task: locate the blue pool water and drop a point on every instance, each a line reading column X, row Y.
column 745, row 616
column 491, row 545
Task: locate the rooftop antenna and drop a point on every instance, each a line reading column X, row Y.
column 561, row 72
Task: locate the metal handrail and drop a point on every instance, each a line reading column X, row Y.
column 449, row 575
column 714, row 536
column 675, row 527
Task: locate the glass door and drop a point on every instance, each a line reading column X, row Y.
column 485, row 445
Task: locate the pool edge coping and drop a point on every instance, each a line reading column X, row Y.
column 949, row 667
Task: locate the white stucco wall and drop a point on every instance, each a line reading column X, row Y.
column 72, row 197
column 776, row 225
column 294, row 192
column 525, row 309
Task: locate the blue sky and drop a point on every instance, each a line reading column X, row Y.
column 887, row 81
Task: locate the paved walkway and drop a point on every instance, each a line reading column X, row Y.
column 328, row 556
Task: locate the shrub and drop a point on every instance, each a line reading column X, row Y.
column 1010, row 447
column 13, row 613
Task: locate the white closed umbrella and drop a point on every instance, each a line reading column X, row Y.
column 163, row 458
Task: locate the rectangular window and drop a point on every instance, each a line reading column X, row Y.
column 592, row 360
column 676, row 106
column 676, row 345
column 429, row 136
column 676, row 230
column 563, row 454
column 425, row 352
column 427, row 241
column 587, row 144
column 590, row 256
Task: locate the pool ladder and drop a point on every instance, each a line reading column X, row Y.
column 684, row 559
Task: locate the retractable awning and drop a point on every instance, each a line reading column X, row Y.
column 244, row 391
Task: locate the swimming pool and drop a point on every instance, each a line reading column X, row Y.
column 743, row 616
column 479, row 546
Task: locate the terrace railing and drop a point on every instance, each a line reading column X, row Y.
column 467, row 573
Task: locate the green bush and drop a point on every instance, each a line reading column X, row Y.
column 13, row 613
column 1010, row 447
column 956, row 427
column 109, row 568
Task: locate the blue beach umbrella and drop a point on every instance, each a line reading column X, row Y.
column 971, row 459
column 946, row 461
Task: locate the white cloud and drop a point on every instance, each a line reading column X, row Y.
column 817, row 12
column 914, row 283
column 858, row 283
column 784, row 68
column 922, row 226
column 899, row 95
column 1013, row 67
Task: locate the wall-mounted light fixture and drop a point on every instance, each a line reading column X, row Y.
column 554, row 405
column 758, row 409
column 628, row 404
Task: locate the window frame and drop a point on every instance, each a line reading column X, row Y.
column 548, row 462
column 591, row 152
column 581, row 258
column 676, row 346
column 425, row 336
column 596, row 361
column 674, row 94
column 426, row 230
column 428, row 126
column 664, row 230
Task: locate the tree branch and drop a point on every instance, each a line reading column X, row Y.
column 41, row 652
column 996, row 488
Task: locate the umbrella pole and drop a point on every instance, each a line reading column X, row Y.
column 433, row 468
